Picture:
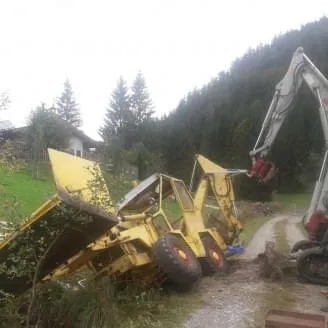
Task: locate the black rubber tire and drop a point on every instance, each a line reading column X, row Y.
column 303, row 265
column 181, row 271
column 210, row 265
column 303, row 245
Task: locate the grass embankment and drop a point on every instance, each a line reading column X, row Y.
column 28, row 192
column 297, row 201
column 251, row 225
column 253, row 220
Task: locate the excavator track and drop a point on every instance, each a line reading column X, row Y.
column 312, row 266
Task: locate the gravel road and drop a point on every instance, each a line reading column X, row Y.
column 242, row 299
column 266, row 233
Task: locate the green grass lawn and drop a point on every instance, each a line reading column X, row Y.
column 250, row 226
column 296, row 201
column 29, row 193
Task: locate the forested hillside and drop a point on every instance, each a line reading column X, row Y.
column 222, row 119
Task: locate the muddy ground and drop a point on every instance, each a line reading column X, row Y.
column 242, row 299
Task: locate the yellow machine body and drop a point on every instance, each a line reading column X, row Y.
column 218, row 180
column 126, row 249
column 118, row 240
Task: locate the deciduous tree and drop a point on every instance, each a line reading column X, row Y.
column 45, row 129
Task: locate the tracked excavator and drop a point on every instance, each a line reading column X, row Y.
column 312, row 254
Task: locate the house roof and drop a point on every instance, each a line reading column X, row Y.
column 80, row 134
column 84, row 137
column 6, row 125
column 75, row 131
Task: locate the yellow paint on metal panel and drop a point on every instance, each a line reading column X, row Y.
column 207, row 165
column 222, row 182
column 78, row 176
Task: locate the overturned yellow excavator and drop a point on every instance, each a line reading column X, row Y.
column 156, row 233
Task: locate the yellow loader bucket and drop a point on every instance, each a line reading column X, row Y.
column 79, row 178
column 74, row 200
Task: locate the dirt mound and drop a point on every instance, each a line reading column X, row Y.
column 245, row 270
column 273, row 264
column 251, row 209
column 270, row 265
column 240, row 271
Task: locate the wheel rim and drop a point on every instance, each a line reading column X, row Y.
column 183, row 255
column 216, row 257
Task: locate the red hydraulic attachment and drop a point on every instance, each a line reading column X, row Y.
column 262, row 170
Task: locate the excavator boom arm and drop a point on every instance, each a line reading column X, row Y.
column 301, row 69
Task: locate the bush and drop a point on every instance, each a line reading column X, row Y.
column 97, row 305
column 250, row 189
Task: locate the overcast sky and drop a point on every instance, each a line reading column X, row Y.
column 177, row 44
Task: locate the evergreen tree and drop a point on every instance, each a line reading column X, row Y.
column 141, row 104
column 118, row 115
column 222, row 120
column 4, row 101
column 67, row 108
